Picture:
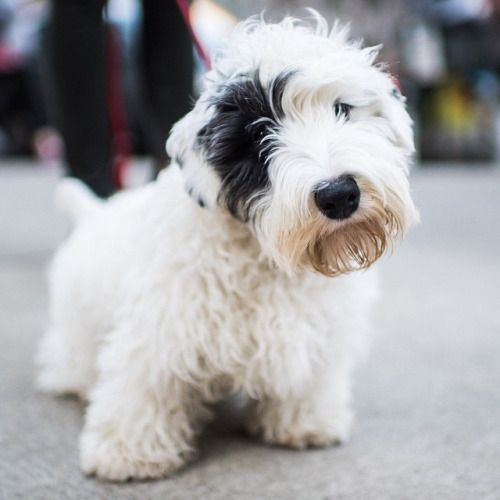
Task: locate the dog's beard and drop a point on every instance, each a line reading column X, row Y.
column 340, row 247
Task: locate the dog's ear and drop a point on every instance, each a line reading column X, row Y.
column 200, row 182
column 393, row 109
column 182, row 137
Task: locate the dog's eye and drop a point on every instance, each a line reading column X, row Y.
column 343, row 109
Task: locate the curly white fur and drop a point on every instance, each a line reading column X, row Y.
column 159, row 306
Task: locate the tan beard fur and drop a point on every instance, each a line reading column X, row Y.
column 351, row 246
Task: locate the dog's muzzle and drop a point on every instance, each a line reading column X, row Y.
column 337, row 199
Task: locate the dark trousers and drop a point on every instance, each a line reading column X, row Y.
column 75, row 63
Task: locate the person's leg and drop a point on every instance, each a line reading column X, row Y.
column 76, row 63
column 166, row 62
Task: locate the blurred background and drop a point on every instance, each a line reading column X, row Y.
column 446, row 54
column 93, row 90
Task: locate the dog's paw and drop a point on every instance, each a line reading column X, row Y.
column 109, row 459
column 306, row 433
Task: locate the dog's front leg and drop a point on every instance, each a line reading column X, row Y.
column 141, row 419
column 317, row 416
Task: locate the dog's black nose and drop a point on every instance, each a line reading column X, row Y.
column 338, row 199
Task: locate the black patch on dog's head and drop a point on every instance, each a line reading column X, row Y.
column 245, row 113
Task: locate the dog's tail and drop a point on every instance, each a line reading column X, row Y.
column 75, row 199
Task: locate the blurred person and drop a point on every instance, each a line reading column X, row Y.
column 78, row 77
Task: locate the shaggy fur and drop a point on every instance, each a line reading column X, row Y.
column 216, row 279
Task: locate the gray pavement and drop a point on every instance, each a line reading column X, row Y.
column 427, row 399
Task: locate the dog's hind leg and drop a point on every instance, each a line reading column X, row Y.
column 66, row 357
column 66, row 361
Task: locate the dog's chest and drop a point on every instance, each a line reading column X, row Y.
column 252, row 325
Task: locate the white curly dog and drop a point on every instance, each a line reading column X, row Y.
column 234, row 271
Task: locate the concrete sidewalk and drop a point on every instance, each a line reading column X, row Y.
column 428, row 399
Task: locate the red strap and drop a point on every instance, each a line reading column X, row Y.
column 116, row 110
column 184, row 8
column 395, row 81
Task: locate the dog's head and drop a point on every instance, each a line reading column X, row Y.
column 303, row 137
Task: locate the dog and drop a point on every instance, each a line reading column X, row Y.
column 244, row 267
